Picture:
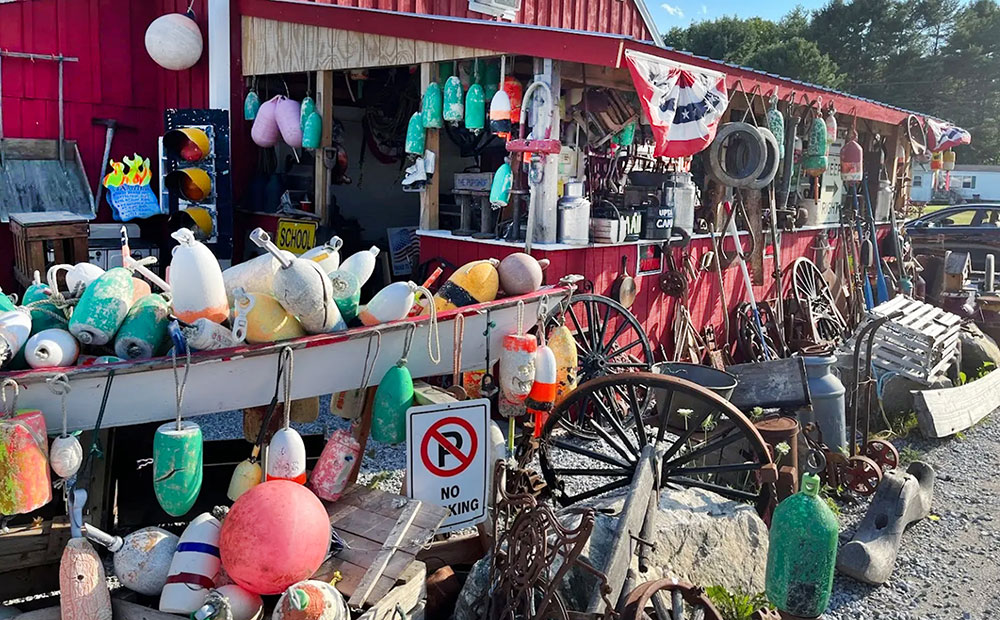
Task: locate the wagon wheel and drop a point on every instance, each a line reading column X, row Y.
column 813, row 293
column 668, row 599
column 720, row 450
column 609, row 340
column 861, row 475
column 747, row 338
column 883, row 453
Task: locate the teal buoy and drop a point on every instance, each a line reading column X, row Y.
column 626, row 136
column 430, row 107
column 453, row 109
column 6, row 303
column 305, row 111
column 312, row 131
column 776, row 123
column 250, row 106
column 102, row 307
column 503, row 180
column 392, row 398
column 415, row 135
column 144, row 329
column 491, row 79
column 475, row 109
column 346, row 293
column 44, row 315
column 177, row 466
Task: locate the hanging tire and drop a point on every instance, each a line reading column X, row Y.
column 771, row 161
column 737, row 155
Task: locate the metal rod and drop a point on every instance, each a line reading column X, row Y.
column 30, row 56
column 62, row 123
column 3, row 154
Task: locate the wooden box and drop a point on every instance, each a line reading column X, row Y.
column 35, row 235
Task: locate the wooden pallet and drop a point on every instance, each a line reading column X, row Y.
column 919, row 345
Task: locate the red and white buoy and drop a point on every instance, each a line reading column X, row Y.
column 543, row 391
column 517, row 368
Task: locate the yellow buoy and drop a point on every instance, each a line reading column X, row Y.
column 564, row 348
column 259, row 318
column 473, row 283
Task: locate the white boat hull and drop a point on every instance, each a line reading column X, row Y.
column 143, row 390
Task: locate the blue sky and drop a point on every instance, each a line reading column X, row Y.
column 670, row 13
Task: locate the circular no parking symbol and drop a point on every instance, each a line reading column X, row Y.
column 447, row 440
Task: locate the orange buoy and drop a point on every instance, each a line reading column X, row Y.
column 24, row 466
column 543, row 391
column 517, row 368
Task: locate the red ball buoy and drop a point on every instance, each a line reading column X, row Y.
column 276, row 534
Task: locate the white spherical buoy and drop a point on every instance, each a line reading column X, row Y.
column 174, row 41
column 66, row 455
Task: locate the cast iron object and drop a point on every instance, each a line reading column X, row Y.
column 624, row 289
column 815, row 302
column 868, row 331
column 695, row 457
column 901, row 499
column 883, row 453
column 748, row 338
column 670, row 599
column 861, row 475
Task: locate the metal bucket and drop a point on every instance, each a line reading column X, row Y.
column 722, row 383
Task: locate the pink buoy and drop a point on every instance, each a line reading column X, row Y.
column 329, row 478
column 25, row 484
column 265, row 132
column 276, row 534
column 287, row 113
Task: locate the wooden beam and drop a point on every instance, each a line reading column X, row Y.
column 944, row 412
column 430, row 198
column 755, row 217
column 324, row 105
column 546, row 214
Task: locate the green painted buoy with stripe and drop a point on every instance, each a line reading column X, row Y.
column 144, row 329
column 103, row 307
column 177, row 466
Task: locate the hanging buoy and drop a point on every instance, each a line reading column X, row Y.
column 431, row 106
column 491, row 78
column 831, row 127
column 141, row 559
column 308, row 107
column 43, row 315
column 475, row 109
column 776, row 123
column 197, row 287
column 543, row 391
column 194, row 566
column 948, row 160
column 246, row 476
column 852, row 160
column 473, row 283
column 83, row 588
column 286, row 453
column 514, row 92
column 255, row 275
column 415, row 135
column 521, row 273
column 327, row 256
column 265, row 132
column 276, row 534
column 517, row 372
column 66, row 453
column 24, row 469
column 102, row 307
column 338, row 459
column 346, row 293
column 288, row 114
column 500, row 114
column 503, row 181
column 361, row 264
column 177, row 466
column 259, row 318
column 145, row 328
column 311, row 600
column 303, row 289
column 205, row 335
column 393, row 397
column 15, row 329
column 814, row 162
column 51, row 348
column 392, row 303
column 251, row 105
column 453, row 109
column 563, row 347
column 312, row 131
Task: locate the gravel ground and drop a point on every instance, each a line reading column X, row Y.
column 948, row 564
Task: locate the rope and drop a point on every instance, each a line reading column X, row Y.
column 8, row 411
column 457, row 346
column 433, row 332
column 520, row 317
column 179, row 384
column 366, row 370
column 59, row 384
column 407, row 342
column 286, row 358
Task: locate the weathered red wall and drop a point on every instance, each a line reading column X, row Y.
column 114, row 78
column 612, row 16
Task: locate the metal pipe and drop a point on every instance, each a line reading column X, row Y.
column 3, row 154
column 881, row 288
column 990, row 272
column 30, row 56
column 62, row 122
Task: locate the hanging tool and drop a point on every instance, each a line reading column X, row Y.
column 863, row 267
column 731, row 230
column 881, row 289
column 112, row 126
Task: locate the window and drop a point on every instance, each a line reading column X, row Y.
column 963, row 217
column 968, row 182
column 918, row 181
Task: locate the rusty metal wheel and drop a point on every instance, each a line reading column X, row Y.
column 815, row 300
column 719, row 449
column 861, row 475
column 883, row 453
column 668, row 599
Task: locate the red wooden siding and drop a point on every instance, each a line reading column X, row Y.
column 114, row 78
column 611, row 16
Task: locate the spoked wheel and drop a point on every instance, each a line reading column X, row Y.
column 747, row 337
column 719, row 451
column 668, row 599
column 861, row 475
column 883, row 453
column 609, row 341
column 815, row 298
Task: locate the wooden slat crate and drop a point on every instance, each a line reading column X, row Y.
column 35, row 234
column 920, row 345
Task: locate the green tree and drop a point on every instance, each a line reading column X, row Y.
column 799, row 59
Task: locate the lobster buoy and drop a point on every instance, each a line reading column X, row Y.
column 303, row 289
column 253, row 276
column 431, row 107
column 361, row 264
column 346, row 293
column 286, row 456
column 339, row 456
column 392, row 303
column 6, row 302
column 142, row 559
column 51, row 348
column 15, row 329
column 251, row 105
column 196, row 281
column 307, row 107
column 473, row 283
column 312, row 131
column 24, row 469
column 311, row 600
column 65, row 455
column 543, row 391
column 145, row 328
column 276, row 534
column 852, row 160
column 288, row 116
column 831, row 127
column 776, row 123
column 392, row 398
column 521, row 273
column 177, row 466
column 815, row 161
column 193, row 567
column 44, row 315
column 78, row 276
column 246, row 476
column 265, row 132
column 103, row 307
column 244, row 605
column 415, row 135
column 83, row 588
column 517, row 372
column 567, row 360
column 205, row 335
column 453, row 108
column 326, row 255
column 259, row 318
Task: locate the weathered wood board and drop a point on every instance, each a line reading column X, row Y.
column 944, row 412
column 774, row 384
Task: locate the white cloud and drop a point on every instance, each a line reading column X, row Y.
column 704, row 10
column 672, row 10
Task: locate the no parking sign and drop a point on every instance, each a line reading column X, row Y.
column 446, row 447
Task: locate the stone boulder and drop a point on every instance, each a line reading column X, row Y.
column 978, row 349
column 897, row 396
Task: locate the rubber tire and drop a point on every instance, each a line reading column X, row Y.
column 756, row 154
column 771, row 162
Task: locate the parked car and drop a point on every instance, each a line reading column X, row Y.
column 973, row 228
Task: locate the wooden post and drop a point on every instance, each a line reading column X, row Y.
column 755, row 217
column 546, row 218
column 324, row 105
column 430, row 197
column 361, row 429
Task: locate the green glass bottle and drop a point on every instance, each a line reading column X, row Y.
column 802, row 552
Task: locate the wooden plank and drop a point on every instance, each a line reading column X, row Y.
column 780, row 384
column 324, row 105
column 407, row 596
column 944, row 412
column 430, row 197
column 366, row 588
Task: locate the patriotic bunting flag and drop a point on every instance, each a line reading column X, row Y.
column 942, row 136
